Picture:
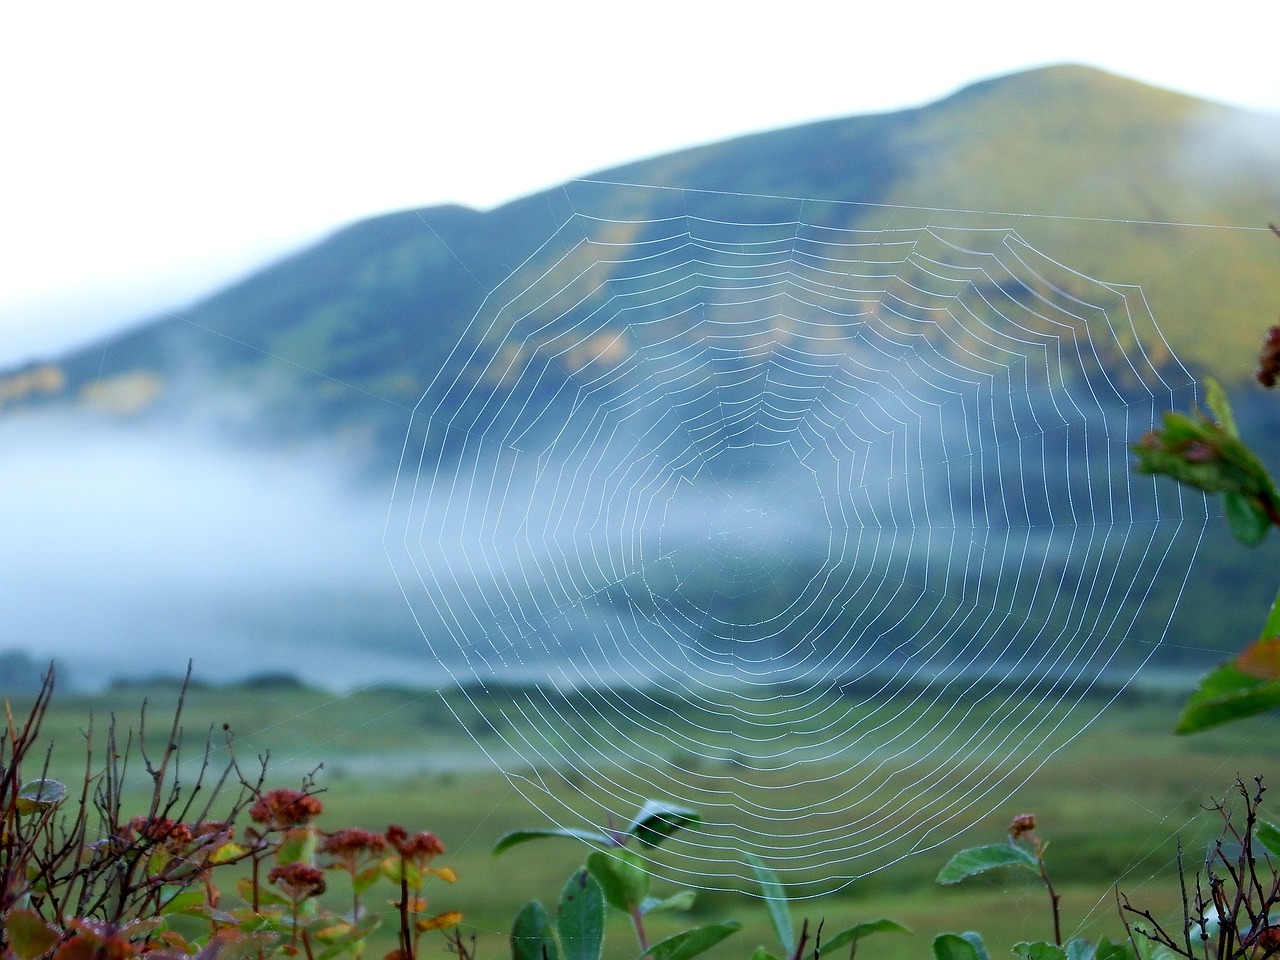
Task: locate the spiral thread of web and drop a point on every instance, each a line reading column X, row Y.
column 825, row 532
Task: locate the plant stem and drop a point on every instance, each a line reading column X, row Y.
column 1054, row 899
column 802, row 942
column 406, row 944
column 637, row 920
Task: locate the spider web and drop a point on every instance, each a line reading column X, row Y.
column 827, row 532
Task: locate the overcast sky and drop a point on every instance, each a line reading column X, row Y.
column 152, row 150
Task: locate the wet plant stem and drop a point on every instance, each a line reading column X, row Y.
column 1055, row 900
column 637, row 920
column 406, row 943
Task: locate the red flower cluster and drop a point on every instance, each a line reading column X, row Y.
column 1023, row 824
column 1269, row 359
column 175, row 836
column 282, row 809
column 161, row 830
column 298, row 881
column 348, row 846
column 419, row 848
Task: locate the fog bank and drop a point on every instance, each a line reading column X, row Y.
column 131, row 552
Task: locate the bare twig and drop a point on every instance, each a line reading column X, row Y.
column 1240, row 886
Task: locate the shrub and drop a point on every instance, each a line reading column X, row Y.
column 83, row 878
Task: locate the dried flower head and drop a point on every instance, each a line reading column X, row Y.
column 1197, row 451
column 1265, row 940
column 1023, row 824
column 419, row 848
column 284, row 808
column 347, row 847
column 1269, row 359
column 162, row 830
column 298, row 881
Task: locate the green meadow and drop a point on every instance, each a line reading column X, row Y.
column 1113, row 803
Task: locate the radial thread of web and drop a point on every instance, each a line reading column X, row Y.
column 825, row 531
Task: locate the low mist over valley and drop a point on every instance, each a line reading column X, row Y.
column 744, row 408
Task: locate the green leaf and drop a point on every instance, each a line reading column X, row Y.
column 1079, row 948
column 366, row 925
column 683, row 900
column 266, row 896
column 658, row 820
column 775, row 899
column 298, row 846
column 1272, row 627
column 1268, row 834
column 1227, row 693
column 1198, row 452
column 975, row 860
column 235, row 943
column 690, row 943
column 623, row 877
column 1114, row 951
column 1147, row 949
column 397, row 868
column 37, row 796
column 263, row 923
column 1248, row 521
column 761, row 953
column 580, row 918
column 366, row 878
column 181, row 899
column 1039, row 950
column 29, row 936
column 524, row 836
column 864, row 929
column 531, row 934
column 959, row 946
column 1215, row 398
column 332, row 930
column 214, row 914
column 229, row 853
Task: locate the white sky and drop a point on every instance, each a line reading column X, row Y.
column 154, row 149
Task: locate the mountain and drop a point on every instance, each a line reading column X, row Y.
column 325, row 356
column 343, row 338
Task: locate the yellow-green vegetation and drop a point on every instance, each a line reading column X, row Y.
column 35, row 381
column 1114, row 179
column 1113, row 805
column 1053, row 147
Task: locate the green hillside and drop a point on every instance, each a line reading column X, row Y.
column 343, row 338
column 1059, row 144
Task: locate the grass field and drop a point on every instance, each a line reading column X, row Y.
column 1113, row 804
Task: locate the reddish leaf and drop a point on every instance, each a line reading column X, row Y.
column 28, row 935
column 441, row 921
column 1261, row 659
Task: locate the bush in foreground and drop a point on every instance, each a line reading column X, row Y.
column 83, row 878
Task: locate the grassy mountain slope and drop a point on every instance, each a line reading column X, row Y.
column 1059, row 144
column 347, row 335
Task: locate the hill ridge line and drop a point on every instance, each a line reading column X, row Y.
column 920, row 207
